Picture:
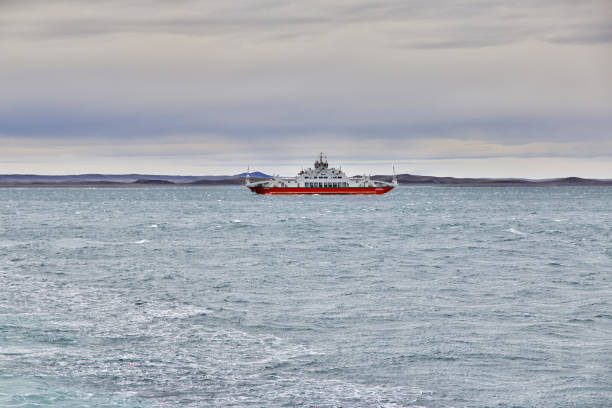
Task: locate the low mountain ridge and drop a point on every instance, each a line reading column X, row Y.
column 253, row 174
column 173, row 180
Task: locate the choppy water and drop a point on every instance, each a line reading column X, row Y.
column 213, row 296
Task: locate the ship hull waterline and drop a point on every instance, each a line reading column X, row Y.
column 320, row 190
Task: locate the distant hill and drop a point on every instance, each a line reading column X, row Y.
column 127, row 180
column 253, row 174
column 225, row 181
column 116, row 178
column 411, row 179
column 152, row 181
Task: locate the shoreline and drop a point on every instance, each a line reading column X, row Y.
column 221, row 184
column 136, row 181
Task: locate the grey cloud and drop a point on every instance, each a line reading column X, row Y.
column 272, row 122
column 404, row 24
column 592, row 35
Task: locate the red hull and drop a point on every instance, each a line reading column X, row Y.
column 321, row 190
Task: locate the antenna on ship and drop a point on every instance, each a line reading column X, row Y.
column 247, row 177
column 394, row 180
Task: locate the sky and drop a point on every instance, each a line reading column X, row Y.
column 447, row 88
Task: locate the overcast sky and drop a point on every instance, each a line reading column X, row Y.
column 459, row 88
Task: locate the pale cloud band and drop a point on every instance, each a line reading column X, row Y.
column 403, row 23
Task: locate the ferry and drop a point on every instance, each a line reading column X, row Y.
column 321, row 179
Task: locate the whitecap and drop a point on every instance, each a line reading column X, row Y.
column 153, row 226
column 236, row 220
column 142, row 241
column 517, row 232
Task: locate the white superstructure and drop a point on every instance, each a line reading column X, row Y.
column 321, row 176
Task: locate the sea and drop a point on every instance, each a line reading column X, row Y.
column 217, row 297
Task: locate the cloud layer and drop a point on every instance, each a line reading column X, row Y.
column 178, row 83
column 400, row 23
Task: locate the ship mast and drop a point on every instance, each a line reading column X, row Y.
column 322, row 162
column 394, row 180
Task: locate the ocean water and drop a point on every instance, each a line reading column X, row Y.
column 214, row 296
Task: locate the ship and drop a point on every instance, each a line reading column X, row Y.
column 321, row 179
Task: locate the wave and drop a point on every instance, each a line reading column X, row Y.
column 142, row 241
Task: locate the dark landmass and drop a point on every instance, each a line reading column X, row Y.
column 228, row 181
column 410, row 179
column 152, row 181
column 135, row 180
column 88, row 178
column 257, row 174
